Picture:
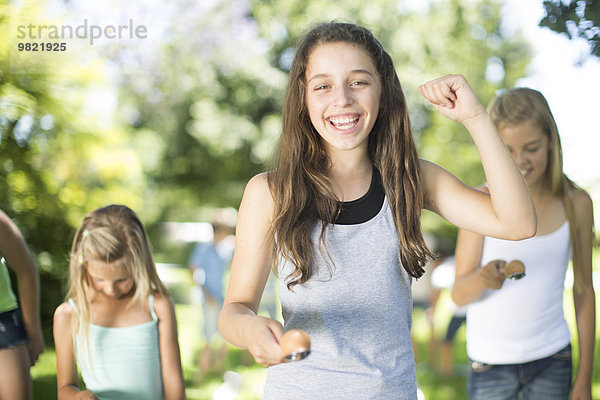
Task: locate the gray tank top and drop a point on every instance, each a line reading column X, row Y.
column 358, row 318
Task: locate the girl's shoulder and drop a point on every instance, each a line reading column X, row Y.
column 64, row 313
column 258, row 189
column 426, row 165
column 65, row 308
column 163, row 305
column 5, row 221
column 581, row 197
column 260, row 181
column 8, row 230
column 582, row 204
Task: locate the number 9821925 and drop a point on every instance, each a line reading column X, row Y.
column 42, row 46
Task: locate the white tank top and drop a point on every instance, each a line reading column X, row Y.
column 524, row 320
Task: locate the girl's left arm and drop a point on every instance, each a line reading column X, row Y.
column 19, row 259
column 583, row 296
column 170, row 358
column 507, row 211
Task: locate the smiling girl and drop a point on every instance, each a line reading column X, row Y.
column 118, row 323
column 517, row 337
column 339, row 220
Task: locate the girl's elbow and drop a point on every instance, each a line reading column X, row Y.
column 176, row 395
column 522, row 230
column 174, row 385
column 222, row 322
column 457, row 298
column 179, row 393
column 531, row 224
column 583, row 291
column 459, row 302
column 532, row 229
column 526, row 233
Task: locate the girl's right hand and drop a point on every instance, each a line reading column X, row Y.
column 86, row 395
column 36, row 346
column 263, row 340
column 492, row 274
column 452, row 96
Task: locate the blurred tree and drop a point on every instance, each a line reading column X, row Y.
column 57, row 159
column 205, row 114
column 576, row 18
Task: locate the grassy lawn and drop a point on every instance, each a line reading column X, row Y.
column 430, row 381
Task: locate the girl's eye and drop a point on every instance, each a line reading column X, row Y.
column 533, row 149
column 358, row 83
column 321, row 87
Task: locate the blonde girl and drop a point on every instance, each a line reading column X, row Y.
column 339, row 219
column 517, row 337
column 118, row 323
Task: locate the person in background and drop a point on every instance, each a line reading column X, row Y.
column 518, row 340
column 118, row 324
column 21, row 339
column 425, row 297
column 208, row 264
column 442, row 278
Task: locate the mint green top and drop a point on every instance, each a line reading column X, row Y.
column 124, row 362
column 8, row 301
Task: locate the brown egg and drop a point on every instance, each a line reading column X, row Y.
column 515, row 269
column 295, row 344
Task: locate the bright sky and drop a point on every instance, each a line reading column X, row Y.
column 571, row 90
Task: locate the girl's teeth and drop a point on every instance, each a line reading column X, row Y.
column 344, row 122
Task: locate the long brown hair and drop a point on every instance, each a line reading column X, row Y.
column 299, row 183
column 519, row 105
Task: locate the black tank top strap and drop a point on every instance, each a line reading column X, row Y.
column 367, row 207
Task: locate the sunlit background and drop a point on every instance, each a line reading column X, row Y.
column 174, row 119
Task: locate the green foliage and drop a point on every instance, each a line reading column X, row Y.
column 181, row 124
column 576, row 19
column 57, row 159
column 218, row 116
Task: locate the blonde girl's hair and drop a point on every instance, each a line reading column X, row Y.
column 113, row 235
column 299, row 183
column 519, row 105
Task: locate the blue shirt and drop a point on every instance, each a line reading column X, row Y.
column 206, row 256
